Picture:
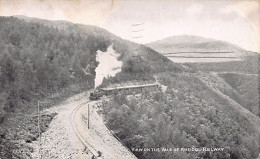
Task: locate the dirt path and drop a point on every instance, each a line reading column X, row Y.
column 59, row 141
column 68, row 135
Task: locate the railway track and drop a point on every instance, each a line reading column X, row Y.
column 98, row 140
column 92, row 150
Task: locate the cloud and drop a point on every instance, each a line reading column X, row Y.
column 195, row 9
column 78, row 11
column 227, row 9
column 233, row 21
column 250, row 10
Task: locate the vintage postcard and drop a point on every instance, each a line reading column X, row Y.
column 129, row 79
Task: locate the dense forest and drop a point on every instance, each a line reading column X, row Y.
column 188, row 114
column 37, row 60
column 39, row 57
column 49, row 60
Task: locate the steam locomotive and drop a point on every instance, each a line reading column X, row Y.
column 125, row 89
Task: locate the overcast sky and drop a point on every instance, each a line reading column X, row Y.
column 233, row 21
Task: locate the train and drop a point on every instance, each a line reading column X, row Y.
column 97, row 94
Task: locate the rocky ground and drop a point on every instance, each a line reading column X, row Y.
column 64, row 133
column 59, row 141
column 68, row 135
column 18, row 132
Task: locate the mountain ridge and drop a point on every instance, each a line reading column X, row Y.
column 191, row 43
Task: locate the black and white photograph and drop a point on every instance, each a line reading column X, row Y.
column 129, row 79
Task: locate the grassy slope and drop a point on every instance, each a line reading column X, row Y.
column 246, row 87
column 241, row 79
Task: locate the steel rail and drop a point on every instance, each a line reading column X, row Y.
column 92, row 150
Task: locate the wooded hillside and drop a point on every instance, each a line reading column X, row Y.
column 40, row 57
column 188, row 114
column 37, row 60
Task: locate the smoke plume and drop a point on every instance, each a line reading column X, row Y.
column 108, row 64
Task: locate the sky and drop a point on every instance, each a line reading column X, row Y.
column 237, row 22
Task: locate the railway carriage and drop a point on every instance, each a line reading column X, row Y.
column 125, row 89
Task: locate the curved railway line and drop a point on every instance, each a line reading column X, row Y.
column 92, row 150
column 98, row 139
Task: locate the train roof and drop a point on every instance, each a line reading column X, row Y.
column 133, row 86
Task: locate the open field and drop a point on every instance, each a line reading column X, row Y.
column 178, row 59
column 202, row 57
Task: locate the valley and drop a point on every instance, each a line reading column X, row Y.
column 204, row 101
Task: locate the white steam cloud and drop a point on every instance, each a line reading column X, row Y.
column 108, row 64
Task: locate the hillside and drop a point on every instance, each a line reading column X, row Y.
column 189, row 43
column 196, row 110
column 195, row 49
column 57, row 56
column 239, row 68
column 49, row 61
column 214, row 105
column 43, row 60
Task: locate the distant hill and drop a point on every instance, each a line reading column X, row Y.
column 189, row 43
